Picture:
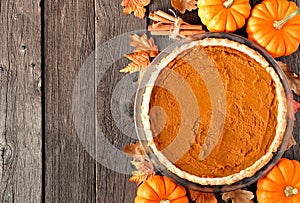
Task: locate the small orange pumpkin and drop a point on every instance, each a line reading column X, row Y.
column 274, row 24
column 281, row 184
column 160, row 189
column 223, row 15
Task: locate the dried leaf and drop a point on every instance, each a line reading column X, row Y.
column 296, row 106
column 291, row 143
column 140, row 60
column 202, row 197
column 183, row 5
column 238, row 196
column 145, row 170
column 141, row 43
column 146, row 167
column 136, row 6
column 134, row 150
column 293, row 79
column 139, row 178
column 292, row 140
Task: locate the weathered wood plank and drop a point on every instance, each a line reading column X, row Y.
column 114, row 108
column 161, row 5
column 20, row 102
column 69, row 40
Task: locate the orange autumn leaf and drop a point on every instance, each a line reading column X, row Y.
column 183, row 5
column 138, row 178
column 145, row 170
column 238, row 196
column 135, row 6
column 134, row 149
column 140, row 60
column 142, row 43
column 202, row 197
column 293, row 79
column 141, row 162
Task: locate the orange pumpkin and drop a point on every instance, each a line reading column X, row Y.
column 160, row 189
column 275, row 25
column 223, row 15
column 281, row 184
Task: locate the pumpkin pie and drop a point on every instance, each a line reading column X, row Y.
column 215, row 112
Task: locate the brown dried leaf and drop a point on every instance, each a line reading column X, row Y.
column 146, row 167
column 238, row 196
column 292, row 140
column 140, row 60
column 202, row 197
column 291, row 143
column 141, row 43
column 293, row 79
column 183, row 5
column 134, row 150
column 136, row 6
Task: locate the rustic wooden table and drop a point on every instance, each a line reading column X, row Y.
column 47, row 155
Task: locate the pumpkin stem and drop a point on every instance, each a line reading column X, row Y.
column 228, row 3
column 164, row 201
column 278, row 24
column 290, row 191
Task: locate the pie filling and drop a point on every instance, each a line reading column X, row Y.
column 184, row 124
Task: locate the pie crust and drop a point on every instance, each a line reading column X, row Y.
column 281, row 117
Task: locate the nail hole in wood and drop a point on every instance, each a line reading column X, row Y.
column 5, row 153
column 32, row 65
column 23, row 47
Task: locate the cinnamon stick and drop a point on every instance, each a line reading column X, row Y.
column 170, row 27
column 158, row 18
column 181, row 33
column 165, row 24
column 190, row 32
column 161, row 16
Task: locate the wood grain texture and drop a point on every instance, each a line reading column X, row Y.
column 115, row 92
column 20, row 102
column 69, row 40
